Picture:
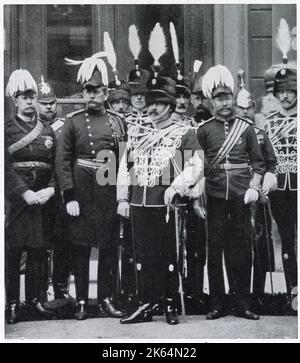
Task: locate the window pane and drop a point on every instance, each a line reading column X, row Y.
column 69, row 34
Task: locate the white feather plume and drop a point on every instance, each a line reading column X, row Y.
column 157, row 43
column 20, row 80
column 174, row 42
column 109, row 48
column 88, row 65
column 197, row 66
column 216, row 76
column 134, row 41
column 283, row 38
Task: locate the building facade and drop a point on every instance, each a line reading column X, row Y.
column 39, row 37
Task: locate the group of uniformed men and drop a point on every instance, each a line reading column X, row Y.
column 132, row 157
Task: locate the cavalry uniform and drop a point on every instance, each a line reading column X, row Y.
column 282, row 130
column 155, row 157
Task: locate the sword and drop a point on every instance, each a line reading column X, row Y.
column 268, row 241
column 120, row 257
column 179, row 241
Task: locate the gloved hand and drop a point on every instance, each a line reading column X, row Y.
column 45, row 194
column 169, row 195
column 31, row 197
column 251, row 196
column 73, row 208
column 124, row 209
column 269, row 183
column 199, row 208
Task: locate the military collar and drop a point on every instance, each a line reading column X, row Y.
column 289, row 113
column 222, row 119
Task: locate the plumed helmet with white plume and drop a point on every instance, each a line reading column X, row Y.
column 175, row 47
column 217, row 80
column 157, row 47
column 92, row 71
column 286, row 77
column 111, row 56
column 283, row 40
column 134, row 46
column 20, row 81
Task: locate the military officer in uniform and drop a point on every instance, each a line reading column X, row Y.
column 232, row 151
column 195, row 225
column 47, row 111
column 86, row 163
column 30, row 151
column 151, row 151
column 263, row 244
column 201, row 104
column 119, row 96
column 281, row 127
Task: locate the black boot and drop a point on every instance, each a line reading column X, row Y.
column 39, row 308
column 170, row 312
column 142, row 315
column 81, row 313
column 11, row 314
column 110, row 308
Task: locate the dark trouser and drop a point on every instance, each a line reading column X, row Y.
column 35, row 264
column 155, row 245
column 128, row 263
column 107, row 265
column 263, row 251
column 61, row 268
column 196, row 254
column 284, row 210
column 219, row 210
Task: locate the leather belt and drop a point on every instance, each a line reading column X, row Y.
column 32, row 164
column 228, row 166
column 90, row 163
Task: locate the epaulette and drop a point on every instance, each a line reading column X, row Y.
column 250, row 122
column 71, row 114
column 204, row 122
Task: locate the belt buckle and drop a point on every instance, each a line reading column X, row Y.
column 227, row 166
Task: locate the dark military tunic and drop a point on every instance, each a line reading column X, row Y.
column 230, row 184
column 27, row 225
column 84, row 136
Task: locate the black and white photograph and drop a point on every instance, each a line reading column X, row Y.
column 149, row 172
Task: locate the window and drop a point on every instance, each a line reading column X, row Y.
column 69, row 34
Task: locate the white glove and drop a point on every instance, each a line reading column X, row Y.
column 251, row 196
column 73, row 208
column 31, row 197
column 169, row 195
column 269, row 184
column 45, row 194
column 199, row 209
column 124, row 209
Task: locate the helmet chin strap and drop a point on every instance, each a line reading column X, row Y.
column 159, row 117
